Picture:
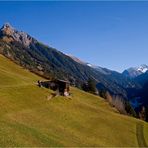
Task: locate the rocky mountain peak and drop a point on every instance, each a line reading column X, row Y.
column 7, row 29
column 6, row 25
column 9, row 34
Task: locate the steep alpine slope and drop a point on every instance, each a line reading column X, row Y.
column 28, row 119
column 143, row 93
column 142, row 79
column 49, row 62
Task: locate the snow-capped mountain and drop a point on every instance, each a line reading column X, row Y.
column 143, row 68
column 88, row 64
column 135, row 71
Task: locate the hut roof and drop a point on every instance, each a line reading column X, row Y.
column 60, row 80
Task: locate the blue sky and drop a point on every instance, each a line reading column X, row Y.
column 109, row 34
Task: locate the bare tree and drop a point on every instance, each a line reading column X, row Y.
column 119, row 104
column 109, row 98
column 142, row 113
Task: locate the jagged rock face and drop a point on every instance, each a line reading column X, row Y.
column 7, row 29
column 9, row 34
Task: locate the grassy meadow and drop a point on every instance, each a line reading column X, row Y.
column 28, row 118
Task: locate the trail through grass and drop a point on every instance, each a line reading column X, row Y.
column 140, row 135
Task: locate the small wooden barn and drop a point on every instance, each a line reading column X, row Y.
column 58, row 85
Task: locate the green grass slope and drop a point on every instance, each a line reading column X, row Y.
column 27, row 118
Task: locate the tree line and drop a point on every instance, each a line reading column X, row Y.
column 117, row 101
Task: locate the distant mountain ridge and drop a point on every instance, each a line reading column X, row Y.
column 138, row 97
column 98, row 68
column 50, row 62
column 135, row 71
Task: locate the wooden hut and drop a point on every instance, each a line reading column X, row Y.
column 60, row 86
column 63, row 87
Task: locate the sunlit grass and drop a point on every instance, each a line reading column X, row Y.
column 27, row 118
